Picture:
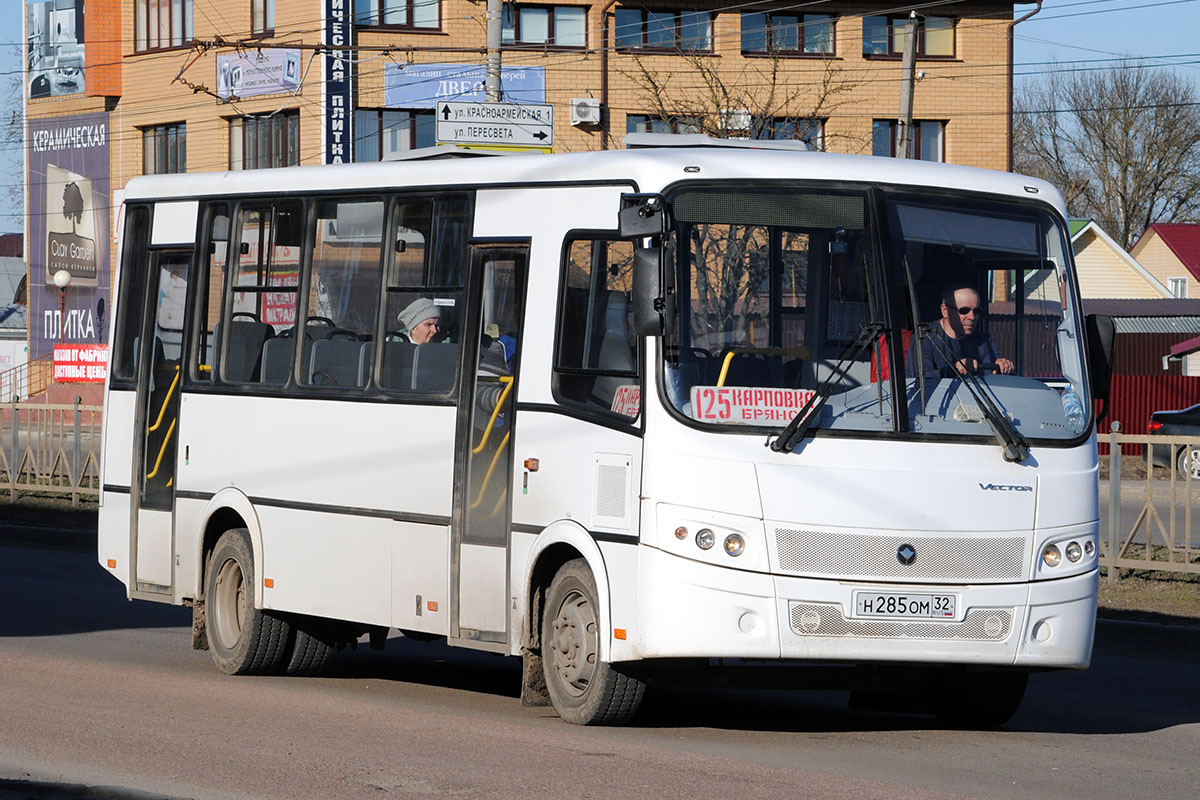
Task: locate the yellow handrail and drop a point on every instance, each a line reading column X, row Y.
column 161, row 450
column 491, row 468
column 162, row 411
column 799, row 352
column 508, row 383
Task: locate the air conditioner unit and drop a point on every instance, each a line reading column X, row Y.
column 585, row 111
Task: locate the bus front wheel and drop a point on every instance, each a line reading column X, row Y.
column 243, row 640
column 584, row 689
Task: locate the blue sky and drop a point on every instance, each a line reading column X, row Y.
column 1078, row 34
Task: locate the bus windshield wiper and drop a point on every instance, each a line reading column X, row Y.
column 1016, row 447
column 798, row 428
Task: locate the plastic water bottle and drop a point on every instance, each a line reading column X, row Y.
column 1073, row 410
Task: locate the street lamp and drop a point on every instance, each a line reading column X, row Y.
column 62, row 279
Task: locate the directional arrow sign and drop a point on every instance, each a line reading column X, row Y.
column 510, row 124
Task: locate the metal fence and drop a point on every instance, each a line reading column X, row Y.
column 1161, row 535
column 50, row 449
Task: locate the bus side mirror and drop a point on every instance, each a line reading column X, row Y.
column 651, row 309
column 642, row 215
column 1101, row 335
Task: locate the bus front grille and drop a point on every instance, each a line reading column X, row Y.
column 955, row 559
column 827, row 619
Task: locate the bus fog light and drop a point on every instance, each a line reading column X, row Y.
column 681, row 533
column 1074, row 552
column 1051, row 556
column 705, row 539
column 1041, row 631
column 1088, row 548
column 734, row 545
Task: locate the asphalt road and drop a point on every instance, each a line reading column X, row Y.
column 101, row 697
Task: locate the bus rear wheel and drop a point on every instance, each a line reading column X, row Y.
column 310, row 646
column 584, row 689
column 243, row 640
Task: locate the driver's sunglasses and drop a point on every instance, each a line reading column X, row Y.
column 964, row 310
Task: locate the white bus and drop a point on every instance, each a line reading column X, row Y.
column 573, row 468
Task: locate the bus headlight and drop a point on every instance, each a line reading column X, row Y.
column 1074, row 552
column 1051, row 556
column 705, row 539
column 734, row 545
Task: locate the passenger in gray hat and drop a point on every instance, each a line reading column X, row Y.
column 420, row 319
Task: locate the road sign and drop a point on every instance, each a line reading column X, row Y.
column 508, row 124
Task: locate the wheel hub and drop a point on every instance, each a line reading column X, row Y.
column 575, row 643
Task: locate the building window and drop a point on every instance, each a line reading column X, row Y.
column 663, row 30
column 262, row 16
column 422, row 14
column 884, row 36
column 267, row 140
column 1178, row 287
column 803, row 129
column 164, row 149
column 379, row 133
column 787, row 34
column 159, row 24
column 646, row 123
column 558, row 26
column 927, row 139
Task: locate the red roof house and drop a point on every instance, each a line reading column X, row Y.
column 1170, row 252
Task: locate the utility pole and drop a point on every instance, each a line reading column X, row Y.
column 491, row 83
column 904, row 147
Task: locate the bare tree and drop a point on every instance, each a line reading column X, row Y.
column 12, row 146
column 762, row 99
column 1123, row 145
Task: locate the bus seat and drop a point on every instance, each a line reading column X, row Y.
column 397, row 364
column 339, row 362
column 277, row 360
column 752, row 369
column 435, row 367
column 244, row 349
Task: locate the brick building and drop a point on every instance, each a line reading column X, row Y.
column 118, row 88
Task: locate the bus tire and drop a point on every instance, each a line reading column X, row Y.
column 310, row 646
column 583, row 689
column 243, row 640
column 978, row 700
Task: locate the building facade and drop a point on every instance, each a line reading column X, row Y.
column 119, row 88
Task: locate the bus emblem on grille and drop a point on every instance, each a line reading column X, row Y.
column 906, row 554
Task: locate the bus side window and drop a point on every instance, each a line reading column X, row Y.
column 596, row 360
column 131, row 305
column 343, row 294
column 208, row 306
column 266, row 282
column 428, row 237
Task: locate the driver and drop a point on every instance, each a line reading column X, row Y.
column 962, row 339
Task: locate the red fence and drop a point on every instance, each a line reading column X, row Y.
column 1135, row 397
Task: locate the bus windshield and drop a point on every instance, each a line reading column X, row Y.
column 784, row 293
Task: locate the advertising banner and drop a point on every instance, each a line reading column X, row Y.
column 54, row 48
column 338, row 90
column 423, row 85
column 268, row 71
column 81, row 363
column 68, row 231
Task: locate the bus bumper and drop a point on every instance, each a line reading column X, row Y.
column 691, row 609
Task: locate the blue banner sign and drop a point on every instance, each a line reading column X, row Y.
column 423, row 85
column 338, row 99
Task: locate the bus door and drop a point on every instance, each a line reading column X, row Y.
column 482, row 502
column 148, row 347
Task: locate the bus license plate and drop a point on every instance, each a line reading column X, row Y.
column 886, row 604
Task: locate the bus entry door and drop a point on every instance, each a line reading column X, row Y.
column 159, row 397
column 483, row 506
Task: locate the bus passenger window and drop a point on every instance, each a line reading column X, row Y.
column 131, row 306
column 208, row 309
column 596, row 363
column 265, row 284
column 343, row 294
